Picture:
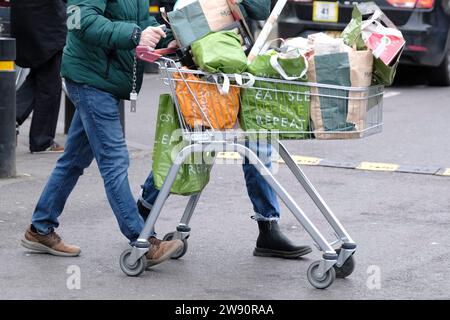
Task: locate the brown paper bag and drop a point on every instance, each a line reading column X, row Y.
column 361, row 66
column 315, row 112
column 217, row 13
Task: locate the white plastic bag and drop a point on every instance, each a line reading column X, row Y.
column 324, row 44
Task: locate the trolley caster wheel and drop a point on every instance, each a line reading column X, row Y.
column 132, row 270
column 182, row 251
column 322, row 282
column 346, row 269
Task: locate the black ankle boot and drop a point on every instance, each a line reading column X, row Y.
column 273, row 243
column 143, row 211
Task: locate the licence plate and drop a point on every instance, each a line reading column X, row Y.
column 324, row 11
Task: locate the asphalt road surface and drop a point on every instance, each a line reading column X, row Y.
column 400, row 221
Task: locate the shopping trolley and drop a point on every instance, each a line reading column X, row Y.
column 204, row 138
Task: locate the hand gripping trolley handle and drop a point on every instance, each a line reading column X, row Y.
column 334, row 263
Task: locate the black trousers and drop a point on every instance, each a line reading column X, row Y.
column 41, row 93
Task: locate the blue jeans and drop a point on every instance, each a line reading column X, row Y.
column 262, row 196
column 95, row 132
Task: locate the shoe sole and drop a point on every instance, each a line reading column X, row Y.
column 260, row 252
column 40, row 248
column 164, row 257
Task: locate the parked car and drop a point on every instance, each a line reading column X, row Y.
column 155, row 5
column 425, row 25
column 4, row 18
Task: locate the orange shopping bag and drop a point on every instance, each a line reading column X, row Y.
column 220, row 111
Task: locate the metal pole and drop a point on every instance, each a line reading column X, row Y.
column 7, row 108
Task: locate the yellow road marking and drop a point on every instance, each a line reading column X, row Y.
column 301, row 160
column 377, row 166
column 6, row 65
column 313, row 161
column 229, row 155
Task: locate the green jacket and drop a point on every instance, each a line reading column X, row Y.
column 100, row 45
column 256, row 9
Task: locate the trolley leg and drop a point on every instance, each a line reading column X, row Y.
column 329, row 253
column 142, row 245
column 348, row 243
column 183, row 228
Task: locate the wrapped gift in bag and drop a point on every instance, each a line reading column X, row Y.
column 219, row 106
column 380, row 36
column 193, row 175
column 196, row 19
column 277, row 106
column 220, row 52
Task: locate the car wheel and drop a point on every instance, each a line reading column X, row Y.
column 440, row 76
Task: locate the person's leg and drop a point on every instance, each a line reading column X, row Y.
column 70, row 166
column 47, row 102
column 25, row 99
column 262, row 196
column 271, row 241
column 148, row 197
column 99, row 113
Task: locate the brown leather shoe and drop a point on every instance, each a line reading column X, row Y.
column 50, row 243
column 161, row 250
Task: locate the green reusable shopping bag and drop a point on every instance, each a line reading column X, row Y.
column 193, row 176
column 276, row 106
column 333, row 69
column 193, row 21
column 220, row 52
column 189, row 24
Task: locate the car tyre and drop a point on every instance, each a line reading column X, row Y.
column 440, row 76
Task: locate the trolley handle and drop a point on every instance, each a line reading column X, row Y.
column 148, row 54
